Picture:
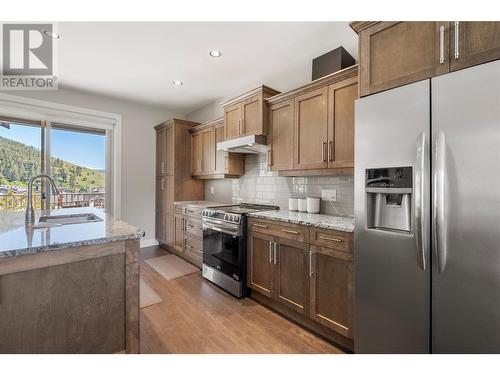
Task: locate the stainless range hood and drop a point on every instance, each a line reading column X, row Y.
column 250, row 144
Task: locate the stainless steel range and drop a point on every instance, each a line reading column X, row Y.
column 224, row 245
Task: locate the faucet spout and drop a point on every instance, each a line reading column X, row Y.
column 30, row 212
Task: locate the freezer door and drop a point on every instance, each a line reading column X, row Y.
column 466, row 212
column 392, row 267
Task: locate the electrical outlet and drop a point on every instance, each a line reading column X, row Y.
column 212, row 189
column 330, row 195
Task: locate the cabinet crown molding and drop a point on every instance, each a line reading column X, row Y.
column 173, row 121
column 207, row 124
column 262, row 89
column 329, row 79
column 359, row 26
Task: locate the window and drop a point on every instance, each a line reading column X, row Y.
column 76, row 157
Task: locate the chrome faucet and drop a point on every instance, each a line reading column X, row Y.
column 30, row 212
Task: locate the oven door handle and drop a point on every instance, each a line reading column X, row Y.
column 222, row 229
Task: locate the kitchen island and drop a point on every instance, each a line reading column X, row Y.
column 71, row 288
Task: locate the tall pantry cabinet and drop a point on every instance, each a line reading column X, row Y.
column 173, row 175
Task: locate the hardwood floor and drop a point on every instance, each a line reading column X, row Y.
column 196, row 317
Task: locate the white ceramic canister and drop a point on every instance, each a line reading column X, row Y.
column 312, row 205
column 293, row 204
column 302, row 204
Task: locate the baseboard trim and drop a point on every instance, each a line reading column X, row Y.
column 148, row 242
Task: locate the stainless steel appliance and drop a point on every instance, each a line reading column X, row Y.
column 224, row 245
column 427, row 251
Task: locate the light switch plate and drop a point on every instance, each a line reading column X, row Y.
column 330, row 195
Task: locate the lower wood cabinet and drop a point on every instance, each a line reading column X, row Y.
column 291, row 262
column 179, row 224
column 314, row 281
column 331, row 288
column 260, row 268
column 188, row 233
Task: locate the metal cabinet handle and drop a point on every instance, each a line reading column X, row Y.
column 311, row 272
column 162, row 168
column 190, row 226
column 269, row 158
column 275, row 257
column 162, row 184
column 323, row 153
column 330, row 151
column 330, row 239
column 421, row 173
column 457, row 51
column 260, row 225
column 289, row 231
column 270, row 252
column 441, row 45
column 200, row 251
column 439, row 216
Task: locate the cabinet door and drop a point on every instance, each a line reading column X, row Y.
column 169, row 151
column 397, row 53
column 220, row 156
column 252, row 119
column 473, row 43
column 169, row 196
column 341, row 99
column 160, row 208
column 281, row 136
column 232, row 121
column 208, row 157
column 178, row 232
column 292, row 275
column 160, row 226
column 260, row 267
column 197, row 154
column 310, row 130
column 332, row 289
column 169, row 228
column 161, row 144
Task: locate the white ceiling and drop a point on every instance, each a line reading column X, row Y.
column 139, row 61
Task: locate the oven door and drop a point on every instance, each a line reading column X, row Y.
column 223, row 247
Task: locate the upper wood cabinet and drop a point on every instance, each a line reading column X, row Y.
column 206, row 161
column 311, row 130
column 314, row 124
column 173, row 181
column 473, row 43
column 247, row 113
column 280, row 141
column 393, row 54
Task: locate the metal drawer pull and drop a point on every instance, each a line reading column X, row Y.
column 260, row 226
column 200, row 251
column 275, row 257
column 330, row 239
column 310, row 263
column 270, row 252
column 190, row 226
column 323, row 153
column 188, row 245
column 290, row 231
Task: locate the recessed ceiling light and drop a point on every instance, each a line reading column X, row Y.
column 51, row 34
column 177, row 83
column 215, row 53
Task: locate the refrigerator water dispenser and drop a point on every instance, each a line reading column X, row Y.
column 388, row 198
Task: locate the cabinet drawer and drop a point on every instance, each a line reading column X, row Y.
column 194, row 227
column 193, row 211
column 284, row 230
column 331, row 238
column 193, row 245
column 178, row 209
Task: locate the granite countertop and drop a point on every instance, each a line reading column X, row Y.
column 201, row 204
column 335, row 222
column 17, row 239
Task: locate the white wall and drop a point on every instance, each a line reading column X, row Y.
column 138, row 148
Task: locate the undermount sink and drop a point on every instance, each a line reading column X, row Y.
column 56, row 220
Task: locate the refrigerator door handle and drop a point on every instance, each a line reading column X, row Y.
column 421, row 173
column 439, row 217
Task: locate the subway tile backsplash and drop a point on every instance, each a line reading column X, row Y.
column 260, row 185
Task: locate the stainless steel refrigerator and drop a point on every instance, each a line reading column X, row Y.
column 427, row 207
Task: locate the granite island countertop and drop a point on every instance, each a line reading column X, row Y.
column 201, row 204
column 17, row 239
column 335, row 222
